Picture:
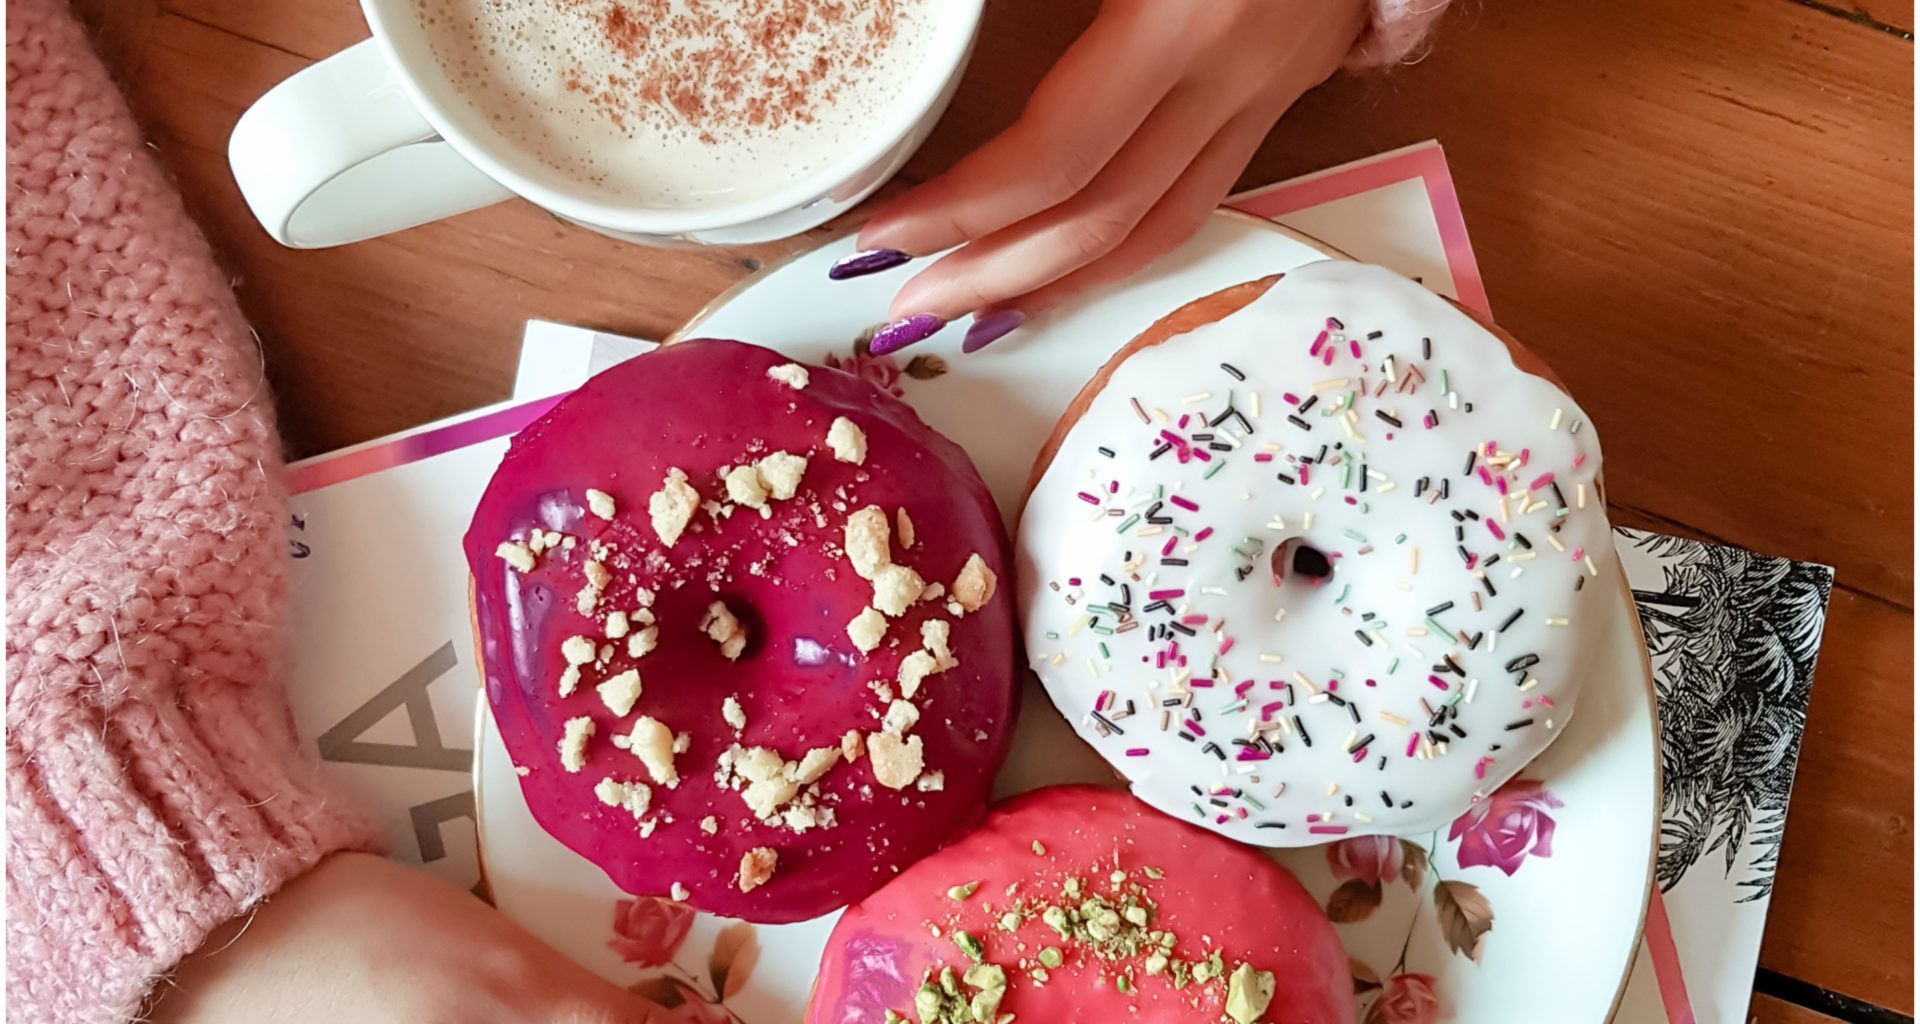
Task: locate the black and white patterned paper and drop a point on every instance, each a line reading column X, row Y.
column 1732, row 637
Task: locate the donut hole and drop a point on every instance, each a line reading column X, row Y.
column 1300, row 560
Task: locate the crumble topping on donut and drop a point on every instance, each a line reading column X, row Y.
column 756, row 868
column 895, row 588
column 1363, row 588
column 974, row 587
column 516, row 554
column 933, row 658
column 634, row 797
column 904, row 527
column 642, row 643
column 867, row 630
column 733, row 714
column 896, row 761
column 744, row 487
column 792, row 375
column 779, row 792
column 866, row 541
column 589, row 596
column 573, row 743
column 782, row 472
column 935, row 635
column 775, row 477
column 900, row 716
column 600, row 503
column 620, row 692
column 653, row 743
column 724, row 628
column 578, row 651
column 671, row 507
column 848, row 441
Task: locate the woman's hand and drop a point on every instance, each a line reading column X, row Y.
column 362, row 939
column 1125, row 148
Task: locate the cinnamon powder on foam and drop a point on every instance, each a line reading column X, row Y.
column 717, row 69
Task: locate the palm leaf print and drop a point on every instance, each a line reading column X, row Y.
column 1733, row 637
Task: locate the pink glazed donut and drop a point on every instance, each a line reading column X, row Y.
column 740, row 628
column 1077, row 903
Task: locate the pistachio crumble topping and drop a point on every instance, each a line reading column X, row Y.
column 1105, row 921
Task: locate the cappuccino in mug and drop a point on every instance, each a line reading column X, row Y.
column 679, row 104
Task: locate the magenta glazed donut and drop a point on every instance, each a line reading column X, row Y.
column 1076, row 903
column 741, row 627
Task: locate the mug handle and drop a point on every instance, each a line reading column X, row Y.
column 338, row 153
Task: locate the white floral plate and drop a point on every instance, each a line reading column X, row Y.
column 1528, row 909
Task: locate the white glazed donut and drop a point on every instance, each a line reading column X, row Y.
column 1443, row 553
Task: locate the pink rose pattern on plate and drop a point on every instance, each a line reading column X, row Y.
column 883, row 371
column 1502, row 831
column 1408, row 999
column 1372, row 859
column 648, row 932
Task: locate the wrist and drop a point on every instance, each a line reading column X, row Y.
column 236, row 973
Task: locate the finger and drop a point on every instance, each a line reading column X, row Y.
column 1080, row 115
column 1178, row 216
column 1055, row 242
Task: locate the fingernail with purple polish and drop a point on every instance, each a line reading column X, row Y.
column 864, row 262
column 991, row 327
column 903, row 332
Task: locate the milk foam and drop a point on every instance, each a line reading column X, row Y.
column 679, row 103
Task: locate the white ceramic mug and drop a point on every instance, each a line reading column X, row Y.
column 375, row 139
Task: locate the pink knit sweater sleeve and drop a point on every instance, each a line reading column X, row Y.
column 154, row 786
column 1396, row 32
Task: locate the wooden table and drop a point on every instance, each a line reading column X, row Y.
column 1700, row 213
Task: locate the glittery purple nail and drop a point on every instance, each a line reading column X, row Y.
column 991, row 327
column 903, row 332
column 864, row 262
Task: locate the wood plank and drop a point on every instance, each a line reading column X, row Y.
column 313, row 29
column 1768, row 1010
column 119, row 30
column 1845, row 881
column 1887, row 15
